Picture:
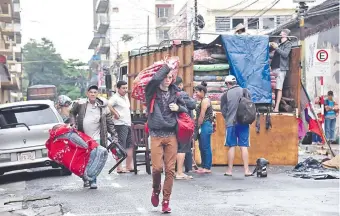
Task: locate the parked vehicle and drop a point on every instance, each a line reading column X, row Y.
column 24, row 129
column 42, row 92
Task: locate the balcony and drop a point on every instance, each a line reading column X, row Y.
column 10, row 29
column 5, row 11
column 95, row 40
column 10, row 50
column 103, row 24
column 102, row 6
column 104, row 46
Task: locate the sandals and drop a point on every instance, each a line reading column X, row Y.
column 183, row 177
column 227, row 174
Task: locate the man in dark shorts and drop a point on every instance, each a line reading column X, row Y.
column 184, row 154
column 119, row 105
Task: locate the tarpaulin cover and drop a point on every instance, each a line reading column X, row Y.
column 248, row 58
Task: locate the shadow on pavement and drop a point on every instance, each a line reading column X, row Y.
column 28, row 175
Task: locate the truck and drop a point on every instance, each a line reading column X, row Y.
column 279, row 144
column 42, row 92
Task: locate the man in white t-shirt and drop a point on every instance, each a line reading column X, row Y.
column 119, row 105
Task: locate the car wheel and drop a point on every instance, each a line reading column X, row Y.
column 65, row 172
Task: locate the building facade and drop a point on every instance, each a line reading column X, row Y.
column 10, row 51
column 258, row 17
column 113, row 20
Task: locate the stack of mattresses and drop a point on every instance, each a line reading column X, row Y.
column 211, row 66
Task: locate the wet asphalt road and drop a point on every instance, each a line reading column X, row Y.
column 214, row 194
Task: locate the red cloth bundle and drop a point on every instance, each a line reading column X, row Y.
column 144, row 77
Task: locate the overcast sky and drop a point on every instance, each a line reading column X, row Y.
column 68, row 23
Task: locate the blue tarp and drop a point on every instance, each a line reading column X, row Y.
column 248, row 58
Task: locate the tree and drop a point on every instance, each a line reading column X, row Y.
column 42, row 65
column 126, row 38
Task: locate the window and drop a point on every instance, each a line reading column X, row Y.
column 222, row 24
column 163, row 34
column 268, row 23
column 253, row 23
column 163, row 12
column 237, row 21
column 282, row 19
column 29, row 114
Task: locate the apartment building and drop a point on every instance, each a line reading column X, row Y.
column 258, row 16
column 10, row 51
column 113, row 19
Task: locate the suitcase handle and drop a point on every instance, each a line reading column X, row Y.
column 120, row 148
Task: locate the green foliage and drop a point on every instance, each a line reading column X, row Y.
column 43, row 65
column 126, row 38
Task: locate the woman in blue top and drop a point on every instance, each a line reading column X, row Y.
column 331, row 112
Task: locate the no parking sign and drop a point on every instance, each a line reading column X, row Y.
column 322, row 63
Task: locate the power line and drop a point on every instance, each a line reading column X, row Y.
column 275, row 2
column 233, row 14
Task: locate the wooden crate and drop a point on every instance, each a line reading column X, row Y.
column 279, row 145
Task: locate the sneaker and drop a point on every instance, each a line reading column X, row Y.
column 165, row 207
column 93, row 185
column 155, row 198
column 86, row 184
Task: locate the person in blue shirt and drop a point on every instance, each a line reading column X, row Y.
column 331, row 113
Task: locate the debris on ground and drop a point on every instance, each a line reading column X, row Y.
column 332, row 163
column 311, row 168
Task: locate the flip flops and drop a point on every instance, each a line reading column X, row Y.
column 183, row 177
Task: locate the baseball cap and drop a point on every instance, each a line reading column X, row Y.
column 92, row 87
column 230, row 78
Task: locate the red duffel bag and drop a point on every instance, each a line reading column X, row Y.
column 67, row 153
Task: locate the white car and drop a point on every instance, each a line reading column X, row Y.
column 24, row 130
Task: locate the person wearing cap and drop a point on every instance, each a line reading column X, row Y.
column 280, row 63
column 184, row 154
column 240, row 29
column 93, row 117
column 63, row 107
column 331, row 112
column 236, row 134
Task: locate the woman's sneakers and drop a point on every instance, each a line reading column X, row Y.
column 165, row 206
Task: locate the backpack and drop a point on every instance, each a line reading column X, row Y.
column 246, row 111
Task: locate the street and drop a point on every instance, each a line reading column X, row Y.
column 129, row 194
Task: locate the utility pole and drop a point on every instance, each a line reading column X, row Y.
column 148, row 34
column 196, row 21
column 301, row 14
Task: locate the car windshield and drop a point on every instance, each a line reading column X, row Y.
column 29, row 114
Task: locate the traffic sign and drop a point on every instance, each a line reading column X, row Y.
column 321, row 62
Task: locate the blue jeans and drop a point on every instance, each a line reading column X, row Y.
column 316, row 138
column 205, row 144
column 330, row 128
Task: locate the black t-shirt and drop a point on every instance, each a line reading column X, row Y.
column 275, row 61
